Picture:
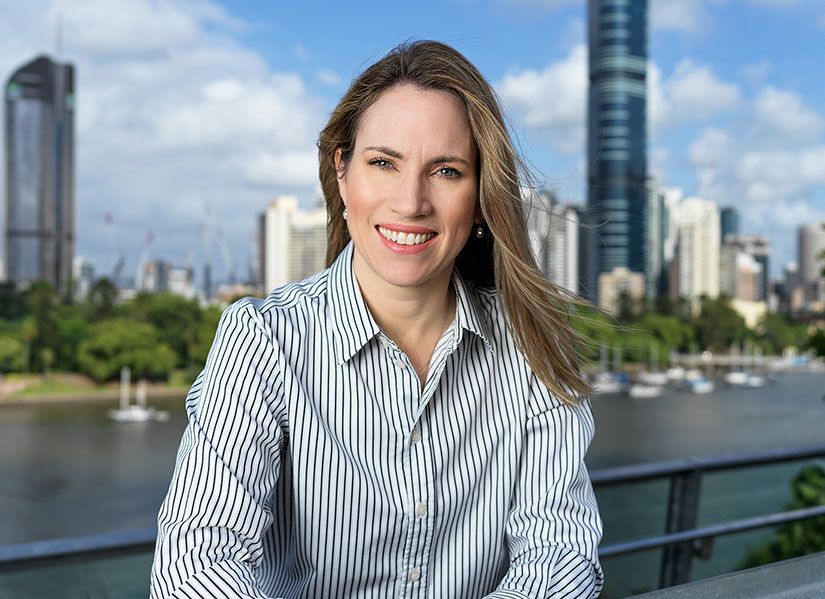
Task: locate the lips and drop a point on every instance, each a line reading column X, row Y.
column 405, row 238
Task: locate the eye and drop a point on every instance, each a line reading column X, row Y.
column 381, row 163
column 448, row 172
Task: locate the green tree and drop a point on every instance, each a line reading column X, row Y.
column 42, row 302
column 205, row 335
column 175, row 318
column 73, row 328
column 102, row 300
column 817, row 342
column 671, row 332
column 718, row 324
column 118, row 342
column 11, row 354
column 776, row 332
column 28, row 333
column 12, row 305
column 796, row 538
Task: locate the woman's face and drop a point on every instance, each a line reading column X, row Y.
column 410, row 188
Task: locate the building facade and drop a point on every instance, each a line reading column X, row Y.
column 729, row 222
column 697, row 251
column 554, row 237
column 811, row 245
column 39, row 198
column 292, row 243
column 617, row 283
column 759, row 249
column 616, row 141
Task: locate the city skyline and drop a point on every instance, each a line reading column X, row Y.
column 184, row 105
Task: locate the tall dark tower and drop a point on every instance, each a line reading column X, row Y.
column 616, row 141
column 39, row 199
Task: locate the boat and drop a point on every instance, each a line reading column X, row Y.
column 701, row 386
column 640, row 391
column 139, row 412
column 606, row 382
column 675, row 374
column 738, row 378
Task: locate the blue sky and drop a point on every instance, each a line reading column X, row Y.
column 199, row 106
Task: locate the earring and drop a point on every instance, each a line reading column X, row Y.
column 479, row 231
column 345, row 213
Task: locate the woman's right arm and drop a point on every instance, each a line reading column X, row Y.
column 219, row 502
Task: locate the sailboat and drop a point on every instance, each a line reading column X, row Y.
column 139, row 412
column 735, row 377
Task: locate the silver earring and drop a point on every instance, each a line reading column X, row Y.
column 345, row 213
column 479, row 231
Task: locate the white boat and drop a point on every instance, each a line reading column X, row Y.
column 639, row 391
column 655, row 379
column 694, row 374
column 701, row 386
column 605, row 382
column 676, row 373
column 755, row 381
column 135, row 412
column 738, row 378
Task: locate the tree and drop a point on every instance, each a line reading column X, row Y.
column 175, row 318
column 11, row 354
column 205, row 336
column 718, row 324
column 42, row 302
column 817, row 342
column 118, row 342
column 796, row 538
column 102, row 299
column 776, row 332
column 670, row 331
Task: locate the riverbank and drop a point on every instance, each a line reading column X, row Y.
column 75, row 388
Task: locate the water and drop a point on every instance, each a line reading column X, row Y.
column 69, row 471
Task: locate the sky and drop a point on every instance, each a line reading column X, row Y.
column 193, row 114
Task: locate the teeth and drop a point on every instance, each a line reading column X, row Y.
column 405, row 238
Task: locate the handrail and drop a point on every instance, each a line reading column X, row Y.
column 684, row 475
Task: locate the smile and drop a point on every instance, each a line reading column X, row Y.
column 402, row 238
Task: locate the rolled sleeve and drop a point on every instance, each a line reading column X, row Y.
column 553, row 528
column 218, row 505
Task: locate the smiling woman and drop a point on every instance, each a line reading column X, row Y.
column 410, row 421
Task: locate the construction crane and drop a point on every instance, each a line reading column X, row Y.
column 117, row 254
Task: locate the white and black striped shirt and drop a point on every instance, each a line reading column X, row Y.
column 315, row 465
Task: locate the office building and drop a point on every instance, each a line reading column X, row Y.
column 554, row 237
column 292, row 243
column 617, row 283
column 83, row 277
column 616, row 141
column 155, row 277
column 39, row 152
column 656, row 230
column 759, row 248
column 811, row 246
column 697, row 252
column 729, row 222
column 740, row 274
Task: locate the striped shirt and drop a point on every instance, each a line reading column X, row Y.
column 315, row 463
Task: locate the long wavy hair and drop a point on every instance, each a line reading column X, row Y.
column 538, row 312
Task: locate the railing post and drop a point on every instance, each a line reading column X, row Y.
column 682, row 514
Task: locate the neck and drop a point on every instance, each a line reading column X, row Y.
column 414, row 317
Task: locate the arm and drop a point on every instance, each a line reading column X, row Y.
column 553, row 527
column 218, row 505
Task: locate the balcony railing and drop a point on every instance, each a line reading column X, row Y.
column 682, row 540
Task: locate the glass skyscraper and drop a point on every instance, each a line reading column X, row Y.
column 615, row 230
column 39, row 202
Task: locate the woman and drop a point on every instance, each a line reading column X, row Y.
column 408, row 421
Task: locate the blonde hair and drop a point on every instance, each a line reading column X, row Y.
column 537, row 310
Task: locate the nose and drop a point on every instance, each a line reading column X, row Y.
column 410, row 198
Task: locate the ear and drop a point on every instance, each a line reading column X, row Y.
column 340, row 175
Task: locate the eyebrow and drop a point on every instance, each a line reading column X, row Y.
column 396, row 154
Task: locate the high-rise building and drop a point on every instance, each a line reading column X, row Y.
column 729, row 222
column 758, row 248
column 811, row 246
column 655, row 222
column 617, row 283
column 292, row 242
column 83, row 277
column 554, row 236
column 697, row 250
column 616, row 141
column 39, row 202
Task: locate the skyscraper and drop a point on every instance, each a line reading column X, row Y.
column 39, row 202
column 729, row 219
column 617, row 141
column 811, row 240
column 698, row 248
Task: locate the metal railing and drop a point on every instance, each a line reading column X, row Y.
column 682, row 541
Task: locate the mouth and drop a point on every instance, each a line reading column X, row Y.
column 404, row 238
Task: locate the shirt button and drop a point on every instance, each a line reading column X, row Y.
column 414, row 575
column 415, row 435
column 421, row 509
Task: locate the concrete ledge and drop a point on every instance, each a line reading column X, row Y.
column 799, row 578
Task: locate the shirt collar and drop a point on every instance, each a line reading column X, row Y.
column 354, row 325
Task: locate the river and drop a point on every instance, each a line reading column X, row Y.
column 70, row 471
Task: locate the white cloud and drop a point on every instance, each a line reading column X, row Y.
column 172, row 114
column 689, row 16
column 695, row 93
column 780, row 117
column 552, row 100
column 328, row 77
